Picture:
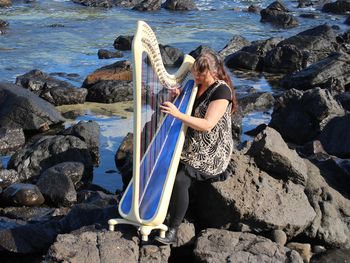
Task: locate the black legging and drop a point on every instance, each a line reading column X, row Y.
column 179, row 198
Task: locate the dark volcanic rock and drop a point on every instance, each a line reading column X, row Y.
column 258, row 101
column 8, row 177
column 179, row 5
column 199, row 50
column 55, row 91
column 20, row 108
column 126, row 3
column 171, row 56
column 10, row 140
column 3, row 24
column 341, row 255
column 110, row 91
column 123, row 159
column 73, row 170
column 236, row 43
column 33, row 214
column 337, row 7
column 300, row 116
column 22, row 195
column 106, row 54
column 5, row 3
column 153, row 253
column 148, row 5
column 48, row 151
column 344, row 99
column 277, row 14
column 95, row 3
column 123, row 42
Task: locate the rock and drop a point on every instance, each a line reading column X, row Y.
column 3, row 24
column 330, row 226
column 57, row 186
column 340, row 255
column 123, row 42
column 106, row 54
column 314, row 151
column 333, row 138
column 98, row 198
column 186, row 235
column 344, row 99
column 5, row 3
column 10, row 140
column 254, row 9
column 88, row 132
column 55, row 91
column 347, row 21
column 214, row 245
column 242, row 60
column 277, row 14
column 258, row 101
column 48, row 151
column 8, row 177
column 126, row 3
column 330, row 73
column 23, row 195
column 171, row 56
column 252, row 197
column 304, row 3
column 279, row 237
column 272, row 155
column 148, row 5
column 300, row 116
column 304, row 250
column 20, row 108
column 110, row 91
column 236, row 43
column 338, row 7
column 154, row 254
column 199, row 50
column 124, row 159
column 179, row 5
column 120, row 70
column 95, row 3
column 33, row 214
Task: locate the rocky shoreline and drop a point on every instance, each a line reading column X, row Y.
column 287, row 199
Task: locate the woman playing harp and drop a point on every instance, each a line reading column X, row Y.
column 209, row 144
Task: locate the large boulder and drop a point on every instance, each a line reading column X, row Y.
column 126, row 3
column 148, row 5
column 344, row 99
column 88, row 132
column 35, row 158
column 10, row 140
column 255, row 101
column 110, row 91
column 55, row 91
column 123, row 42
column 272, row 155
column 335, row 137
column 179, row 5
column 331, row 73
column 300, row 116
column 8, row 177
column 95, row 3
column 154, row 254
column 171, row 56
column 5, row 3
column 214, row 245
column 123, row 159
column 252, row 200
column 120, row 70
column 341, row 7
column 22, row 195
column 277, row 14
column 20, row 108
column 236, row 43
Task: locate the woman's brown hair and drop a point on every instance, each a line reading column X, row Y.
column 210, row 60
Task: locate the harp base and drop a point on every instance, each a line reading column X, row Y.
column 143, row 229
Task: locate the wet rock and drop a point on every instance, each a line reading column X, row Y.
column 254, row 9
column 98, row 198
column 331, row 73
column 3, row 24
column 277, row 14
column 5, row 3
column 319, row 42
column 311, row 16
column 110, row 91
column 148, row 5
column 123, row 42
column 304, row 250
column 103, row 246
column 20, row 108
column 300, row 116
column 334, row 138
column 199, row 50
column 55, row 91
column 279, row 237
column 272, row 155
column 344, row 99
column 214, row 245
column 8, row 177
column 154, row 254
column 236, row 43
column 171, row 56
column 340, row 255
column 253, row 198
column 331, row 224
column 95, row 3
column 304, row 3
column 126, row 3
column 10, row 140
column 57, row 188
column 179, row 5
column 22, row 195
column 72, row 170
column 124, row 159
column 338, row 7
column 258, row 101
column 88, row 132
column 106, row 54
column 121, row 70
column 48, row 151
column 33, row 214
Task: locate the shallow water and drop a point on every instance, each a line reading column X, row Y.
column 60, row 36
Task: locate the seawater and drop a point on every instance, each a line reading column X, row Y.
column 60, row 36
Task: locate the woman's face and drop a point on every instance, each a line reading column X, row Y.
column 202, row 77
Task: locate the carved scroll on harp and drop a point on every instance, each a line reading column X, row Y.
column 158, row 138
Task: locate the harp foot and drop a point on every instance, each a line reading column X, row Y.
column 162, row 233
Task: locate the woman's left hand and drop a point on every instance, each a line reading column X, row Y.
column 169, row 108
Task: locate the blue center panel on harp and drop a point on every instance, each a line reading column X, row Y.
column 154, row 170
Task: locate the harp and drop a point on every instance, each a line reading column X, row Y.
column 158, row 138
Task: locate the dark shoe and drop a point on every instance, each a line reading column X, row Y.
column 170, row 237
